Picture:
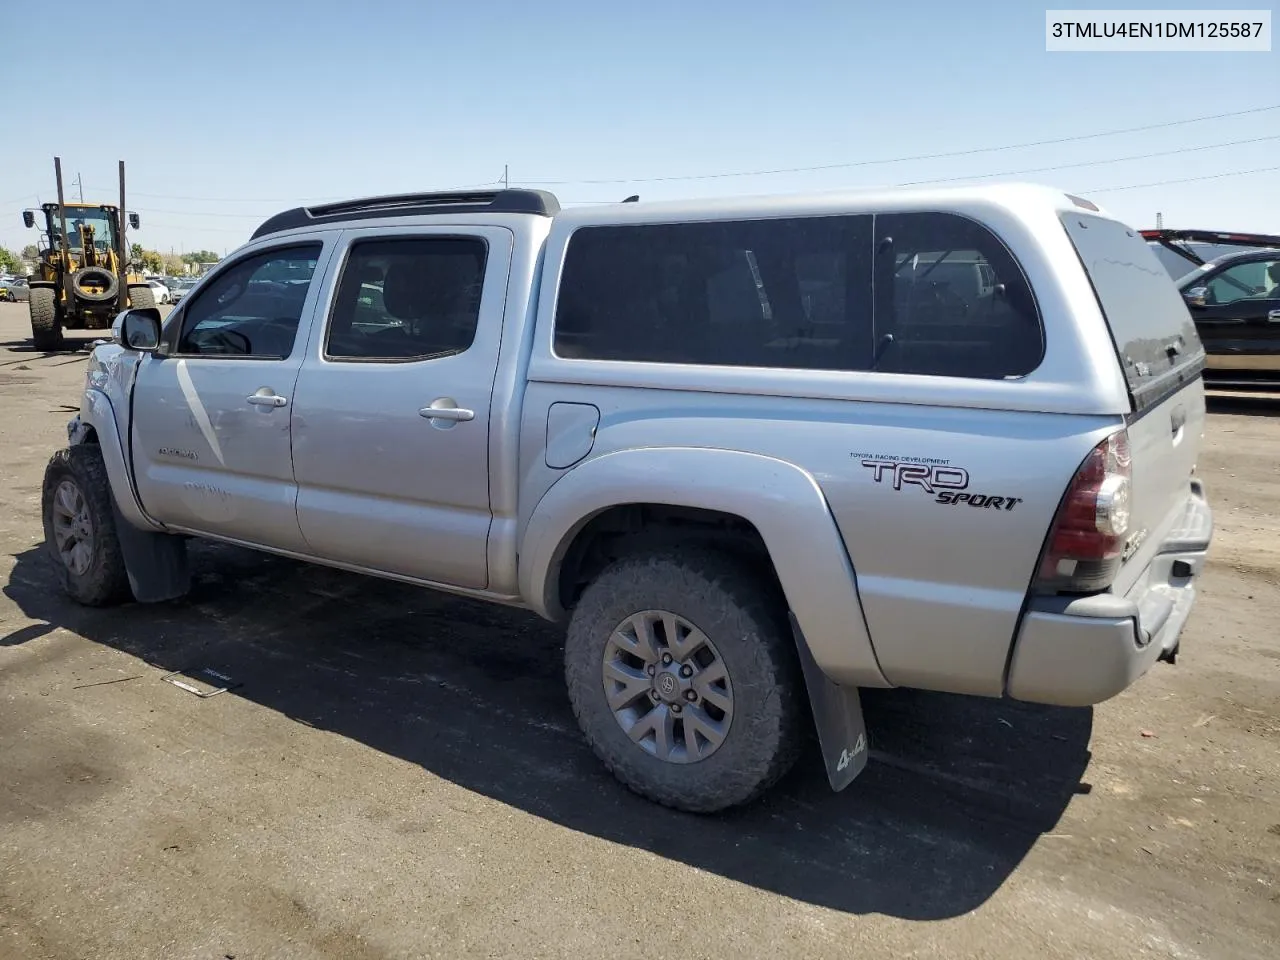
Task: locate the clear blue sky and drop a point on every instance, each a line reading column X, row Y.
column 238, row 109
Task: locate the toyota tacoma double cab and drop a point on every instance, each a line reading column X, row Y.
column 756, row 454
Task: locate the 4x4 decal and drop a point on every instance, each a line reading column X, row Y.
column 947, row 484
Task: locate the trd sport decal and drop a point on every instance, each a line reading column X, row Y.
column 946, row 483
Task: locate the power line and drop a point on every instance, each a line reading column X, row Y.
column 926, row 156
column 911, row 183
column 1093, row 163
column 1164, row 183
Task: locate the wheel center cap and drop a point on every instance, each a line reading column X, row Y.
column 669, row 685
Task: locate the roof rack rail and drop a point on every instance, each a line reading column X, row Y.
column 536, row 202
column 1170, row 238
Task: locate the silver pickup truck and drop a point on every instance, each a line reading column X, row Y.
column 756, row 454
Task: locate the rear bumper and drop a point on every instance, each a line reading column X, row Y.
column 1084, row 650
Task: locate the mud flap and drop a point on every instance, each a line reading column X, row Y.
column 837, row 713
column 155, row 562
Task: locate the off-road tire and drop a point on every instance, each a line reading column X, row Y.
column 46, row 325
column 744, row 615
column 111, row 292
column 105, row 582
column 141, row 296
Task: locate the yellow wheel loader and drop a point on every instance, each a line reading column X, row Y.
column 83, row 277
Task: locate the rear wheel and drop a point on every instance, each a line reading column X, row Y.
column 141, row 296
column 46, row 325
column 80, row 527
column 683, row 675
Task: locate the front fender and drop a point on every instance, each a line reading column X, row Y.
column 97, row 412
column 782, row 501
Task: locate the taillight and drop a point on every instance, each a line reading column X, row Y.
column 1087, row 539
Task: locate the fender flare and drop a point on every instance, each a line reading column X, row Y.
column 97, row 412
column 782, row 501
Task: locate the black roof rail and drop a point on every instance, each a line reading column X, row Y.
column 536, row 202
column 1229, row 237
column 1170, row 238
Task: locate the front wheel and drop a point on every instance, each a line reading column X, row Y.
column 80, row 528
column 46, row 324
column 141, row 296
column 684, row 678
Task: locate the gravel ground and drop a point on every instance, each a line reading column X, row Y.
column 398, row 774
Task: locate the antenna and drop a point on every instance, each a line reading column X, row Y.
column 80, row 186
column 506, row 180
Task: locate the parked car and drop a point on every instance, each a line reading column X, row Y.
column 158, row 290
column 745, row 500
column 1234, row 299
column 16, row 290
column 179, row 288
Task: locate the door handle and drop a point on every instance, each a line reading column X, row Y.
column 267, row 399
column 446, row 408
column 1273, row 315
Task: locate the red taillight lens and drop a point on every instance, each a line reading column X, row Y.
column 1087, row 539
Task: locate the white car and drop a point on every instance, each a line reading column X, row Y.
column 160, row 291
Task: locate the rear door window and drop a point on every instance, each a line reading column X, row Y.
column 1150, row 325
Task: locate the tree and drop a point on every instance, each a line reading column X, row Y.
column 136, row 253
column 201, row 256
column 152, row 261
column 29, row 252
column 10, row 261
column 173, row 264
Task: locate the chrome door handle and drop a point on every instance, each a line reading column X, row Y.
column 267, row 399
column 446, row 409
column 1273, row 315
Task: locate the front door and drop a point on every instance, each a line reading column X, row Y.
column 211, row 417
column 1240, row 321
column 391, row 418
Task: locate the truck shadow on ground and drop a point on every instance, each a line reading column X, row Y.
column 957, row 792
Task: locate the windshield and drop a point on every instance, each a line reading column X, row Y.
column 95, row 217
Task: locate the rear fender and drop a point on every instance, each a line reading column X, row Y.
column 782, row 501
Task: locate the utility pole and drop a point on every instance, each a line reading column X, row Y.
column 80, row 186
column 1159, row 221
column 506, row 181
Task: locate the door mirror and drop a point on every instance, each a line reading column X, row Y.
column 29, row 218
column 138, row 329
column 1195, row 296
column 134, row 221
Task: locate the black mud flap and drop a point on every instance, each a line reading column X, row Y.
column 837, row 713
column 155, row 562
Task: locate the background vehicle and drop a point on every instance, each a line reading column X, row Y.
column 17, row 290
column 179, row 288
column 638, row 420
column 81, row 281
column 159, row 291
column 1234, row 299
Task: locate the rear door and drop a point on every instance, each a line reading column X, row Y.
column 1240, row 320
column 391, row 423
column 1162, row 357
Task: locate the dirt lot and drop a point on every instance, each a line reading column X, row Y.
column 399, row 775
